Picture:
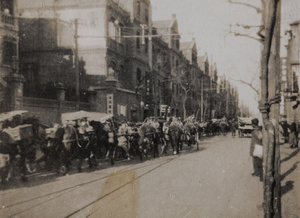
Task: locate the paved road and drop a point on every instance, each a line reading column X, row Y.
column 213, row 182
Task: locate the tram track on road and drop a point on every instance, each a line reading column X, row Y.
column 43, row 199
column 118, row 188
column 48, row 197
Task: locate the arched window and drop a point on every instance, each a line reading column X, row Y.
column 146, row 16
column 146, row 45
column 111, row 28
column 9, row 49
column 138, row 8
column 112, row 70
column 138, row 75
column 114, row 29
column 122, row 72
column 121, row 26
column 138, row 40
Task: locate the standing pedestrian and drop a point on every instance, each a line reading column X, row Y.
column 285, row 127
column 233, row 127
column 256, row 140
column 223, row 124
column 293, row 135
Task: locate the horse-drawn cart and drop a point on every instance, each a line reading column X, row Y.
column 17, row 140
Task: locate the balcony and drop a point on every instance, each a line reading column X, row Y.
column 7, row 19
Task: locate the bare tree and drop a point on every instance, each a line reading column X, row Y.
column 186, row 78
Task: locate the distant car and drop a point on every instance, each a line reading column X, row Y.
column 245, row 127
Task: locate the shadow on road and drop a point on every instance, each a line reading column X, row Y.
column 290, row 156
column 295, row 165
column 34, row 180
column 289, row 185
column 43, row 176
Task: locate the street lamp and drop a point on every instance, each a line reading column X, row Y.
column 142, row 104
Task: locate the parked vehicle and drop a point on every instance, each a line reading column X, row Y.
column 244, row 126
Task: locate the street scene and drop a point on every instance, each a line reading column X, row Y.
column 214, row 181
column 149, row 108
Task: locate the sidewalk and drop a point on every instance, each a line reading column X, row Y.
column 290, row 181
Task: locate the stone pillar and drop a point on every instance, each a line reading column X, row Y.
column 92, row 100
column 15, row 91
column 61, row 92
column 61, row 96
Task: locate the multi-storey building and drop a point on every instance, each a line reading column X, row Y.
column 292, row 110
column 174, row 64
column 134, row 67
column 139, row 55
column 103, row 36
column 194, row 76
column 206, row 89
column 161, row 69
column 8, row 48
column 42, row 40
column 213, row 76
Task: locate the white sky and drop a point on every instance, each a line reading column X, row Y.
column 209, row 22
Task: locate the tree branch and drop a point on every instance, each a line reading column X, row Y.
column 259, row 33
column 140, row 83
column 258, row 10
column 248, row 26
column 250, row 85
column 251, row 37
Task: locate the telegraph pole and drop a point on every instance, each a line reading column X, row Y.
column 269, row 107
column 202, row 100
column 76, row 61
column 227, row 99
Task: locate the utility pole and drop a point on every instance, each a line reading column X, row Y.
column 269, row 107
column 227, row 99
column 202, row 100
column 76, row 61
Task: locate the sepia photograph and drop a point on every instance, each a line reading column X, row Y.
column 149, row 108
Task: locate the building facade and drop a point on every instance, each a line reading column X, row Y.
column 120, row 60
column 101, row 30
column 292, row 98
column 9, row 42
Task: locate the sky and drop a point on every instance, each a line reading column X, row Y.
column 210, row 22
